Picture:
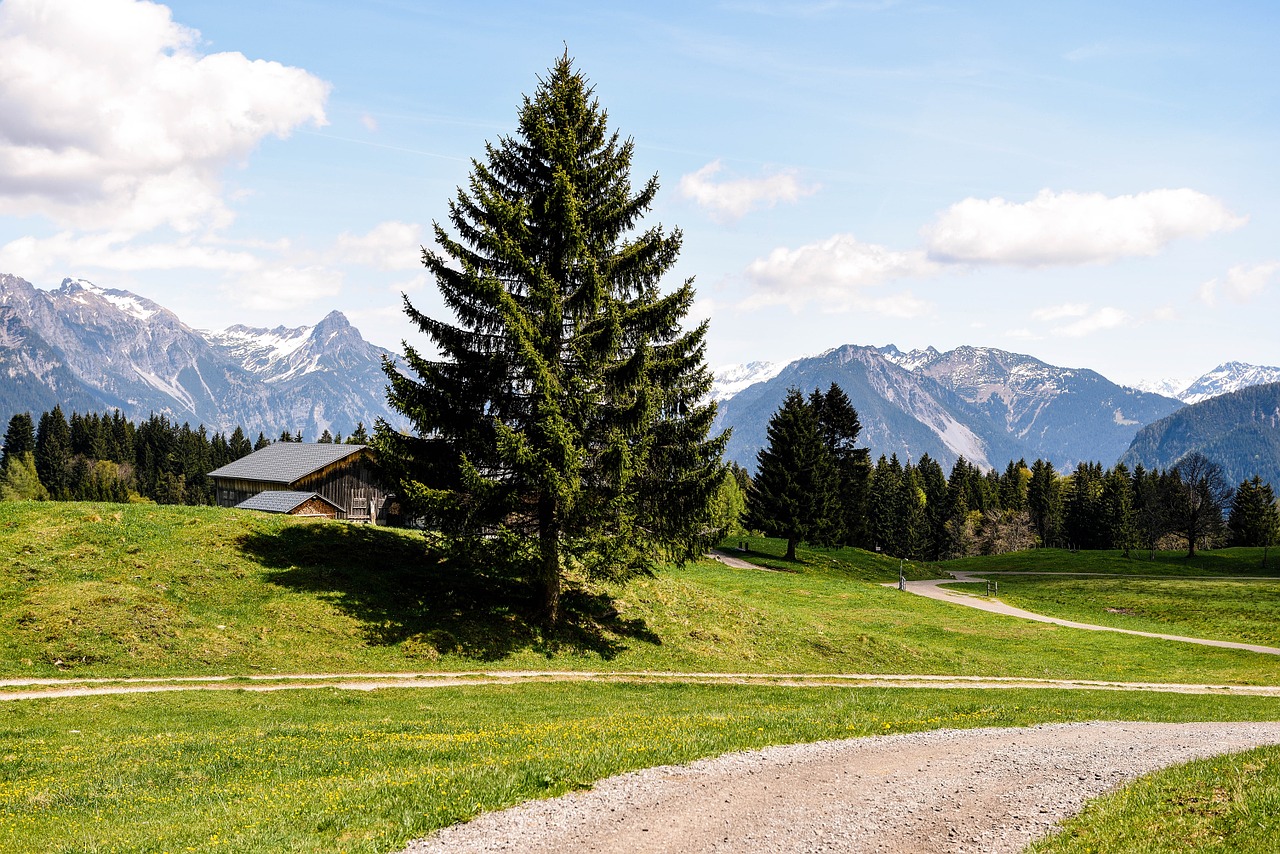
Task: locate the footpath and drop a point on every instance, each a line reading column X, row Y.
column 933, row 589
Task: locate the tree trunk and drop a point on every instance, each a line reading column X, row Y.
column 791, row 547
column 549, row 569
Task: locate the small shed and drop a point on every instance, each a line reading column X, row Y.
column 343, row 475
column 311, row 504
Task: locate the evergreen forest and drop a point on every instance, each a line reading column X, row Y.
column 107, row 457
column 813, row 485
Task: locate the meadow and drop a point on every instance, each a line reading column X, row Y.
column 1221, row 609
column 102, row 590
column 326, row 770
column 112, row 591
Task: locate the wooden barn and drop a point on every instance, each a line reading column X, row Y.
column 342, row 476
column 309, row 504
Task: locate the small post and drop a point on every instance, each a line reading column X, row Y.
column 988, row 589
column 902, row 577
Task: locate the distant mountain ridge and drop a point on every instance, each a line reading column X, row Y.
column 92, row 348
column 1239, row 430
column 985, row 404
column 1224, row 379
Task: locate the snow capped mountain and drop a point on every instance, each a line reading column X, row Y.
column 1228, row 377
column 1224, row 379
column 94, row 348
column 731, row 379
column 909, row 361
column 1167, row 386
column 260, row 351
column 987, row 405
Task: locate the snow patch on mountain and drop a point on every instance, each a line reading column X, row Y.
column 910, row 361
column 1228, row 377
column 269, row 353
column 731, row 379
column 1167, row 386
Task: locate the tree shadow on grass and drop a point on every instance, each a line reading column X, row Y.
column 404, row 594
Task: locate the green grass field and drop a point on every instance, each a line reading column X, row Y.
column 111, row 590
column 1222, row 562
column 325, row 770
column 1221, row 609
column 100, row 590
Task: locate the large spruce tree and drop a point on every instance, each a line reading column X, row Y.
column 793, row 494
column 561, row 416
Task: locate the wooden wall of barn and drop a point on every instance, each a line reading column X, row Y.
column 346, row 483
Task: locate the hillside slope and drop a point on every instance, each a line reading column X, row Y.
column 1240, row 431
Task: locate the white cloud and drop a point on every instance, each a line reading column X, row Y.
column 733, row 199
column 113, row 120
column 1058, row 312
column 409, row 286
column 389, row 245
column 64, row 252
column 369, row 122
column 833, row 272
column 284, row 287
column 1073, row 228
column 1097, row 321
column 1242, row 283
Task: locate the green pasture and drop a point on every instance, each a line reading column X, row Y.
column 120, row 590
column 327, row 770
column 1221, row 562
column 1221, row 609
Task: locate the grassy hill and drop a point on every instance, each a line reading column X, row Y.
column 111, row 591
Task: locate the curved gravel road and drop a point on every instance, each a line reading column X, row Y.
column 984, row 790
column 932, row 589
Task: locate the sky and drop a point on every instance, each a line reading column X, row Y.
column 1094, row 184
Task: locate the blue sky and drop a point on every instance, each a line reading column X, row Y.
column 1091, row 183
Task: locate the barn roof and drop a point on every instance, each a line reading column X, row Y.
column 285, row 462
column 274, row 501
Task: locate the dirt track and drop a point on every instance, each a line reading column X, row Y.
column 933, row 590
column 989, row 791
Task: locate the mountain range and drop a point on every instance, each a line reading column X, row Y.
column 985, row 404
column 90, row 348
column 1239, row 430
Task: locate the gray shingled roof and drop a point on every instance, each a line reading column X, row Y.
column 285, row 462
column 281, row 502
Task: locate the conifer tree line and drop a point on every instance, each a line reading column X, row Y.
column 107, row 457
column 813, row 485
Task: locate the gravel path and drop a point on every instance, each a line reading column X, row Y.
column 985, row 790
column 933, row 590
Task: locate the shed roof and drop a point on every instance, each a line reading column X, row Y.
column 285, row 462
column 276, row 501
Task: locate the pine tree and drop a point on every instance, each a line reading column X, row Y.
column 358, row 436
column 19, row 438
column 1118, row 516
column 1044, row 502
column 53, row 453
column 1253, row 517
column 564, row 414
column 934, row 484
column 840, row 426
column 792, row 494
